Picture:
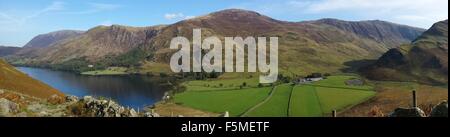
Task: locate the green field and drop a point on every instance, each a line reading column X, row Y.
column 322, row 97
column 336, row 98
column 235, row 102
column 304, row 102
column 307, row 100
column 201, row 85
column 278, row 104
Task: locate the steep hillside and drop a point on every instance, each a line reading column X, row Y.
column 424, row 60
column 305, row 47
column 31, row 49
column 45, row 40
column 14, row 80
column 384, row 32
column 98, row 43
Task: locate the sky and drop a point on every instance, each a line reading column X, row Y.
column 21, row 20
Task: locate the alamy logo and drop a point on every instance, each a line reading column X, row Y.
column 234, row 47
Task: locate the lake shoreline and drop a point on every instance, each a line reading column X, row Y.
column 136, row 91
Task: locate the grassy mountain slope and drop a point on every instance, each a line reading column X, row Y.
column 304, row 47
column 389, row 34
column 424, row 60
column 14, row 80
column 45, row 40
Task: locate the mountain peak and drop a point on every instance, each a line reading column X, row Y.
column 237, row 11
column 438, row 32
column 45, row 40
column 233, row 15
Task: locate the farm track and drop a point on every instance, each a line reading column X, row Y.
column 260, row 103
column 318, row 100
column 289, row 101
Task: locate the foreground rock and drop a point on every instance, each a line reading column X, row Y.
column 13, row 104
column 7, row 107
column 89, row 106
column 440, row 110
column 408, row 112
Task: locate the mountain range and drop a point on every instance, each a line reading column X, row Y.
column 424, row 60
column 6, row 50
column 311, row 46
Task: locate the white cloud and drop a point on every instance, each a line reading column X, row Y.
column 171, row 16
column 177, row 16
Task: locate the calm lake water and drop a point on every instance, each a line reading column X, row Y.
column 133, row 91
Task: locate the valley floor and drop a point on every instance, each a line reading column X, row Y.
column 244, row 97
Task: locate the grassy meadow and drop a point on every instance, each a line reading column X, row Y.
column 277, row 105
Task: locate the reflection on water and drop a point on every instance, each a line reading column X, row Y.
column 133, row 91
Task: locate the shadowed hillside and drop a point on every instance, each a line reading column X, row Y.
column 424, row 60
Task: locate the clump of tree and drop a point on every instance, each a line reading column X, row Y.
column 200, row 75
column 131, row 59
column 76, row 65
column 284, row 79
column 315, row 75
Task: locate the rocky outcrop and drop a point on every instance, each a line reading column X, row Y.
column 440, row 110
column 152, row 113
column 105, row 108
column 71, row 98
column 58, row 106
column 56, row 99
column 408, row 112
column 7, row 107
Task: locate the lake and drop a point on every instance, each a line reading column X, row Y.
column 133, row 91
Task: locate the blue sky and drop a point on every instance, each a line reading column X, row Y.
column 21, row 20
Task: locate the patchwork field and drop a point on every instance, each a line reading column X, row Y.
column 322, row 97
column 277, row 105
column 305, row 100
column 235, row 102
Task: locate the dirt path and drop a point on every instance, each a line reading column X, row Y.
column 260, row 103
column 289, row 102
